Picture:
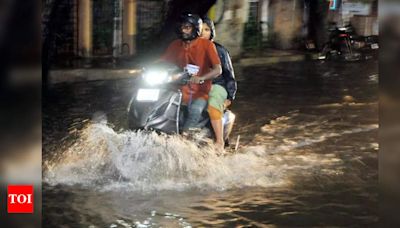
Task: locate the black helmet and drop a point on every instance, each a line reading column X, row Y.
column 210, row 24
column 193, row 20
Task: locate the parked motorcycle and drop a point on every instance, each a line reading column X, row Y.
column 361, row 42
column 340, row 45
column 345, row 42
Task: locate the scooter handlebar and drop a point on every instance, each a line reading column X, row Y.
column 187, row 80
column 184, row 78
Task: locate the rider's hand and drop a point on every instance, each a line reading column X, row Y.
column 196, row 80
column 227, row 103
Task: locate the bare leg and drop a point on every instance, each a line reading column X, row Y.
column 219, row 132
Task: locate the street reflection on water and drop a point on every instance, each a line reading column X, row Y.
column 308, row 156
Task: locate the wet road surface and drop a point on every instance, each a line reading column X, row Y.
column 307, row 157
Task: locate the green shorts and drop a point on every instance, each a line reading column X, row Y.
column 217, row 97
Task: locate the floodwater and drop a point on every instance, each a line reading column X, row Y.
column 308, row 155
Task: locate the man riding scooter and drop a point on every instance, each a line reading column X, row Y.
column 192, row 51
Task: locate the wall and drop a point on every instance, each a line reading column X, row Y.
column 230, row 29
column 287, row 22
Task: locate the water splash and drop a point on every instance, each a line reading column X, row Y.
column 146, row 161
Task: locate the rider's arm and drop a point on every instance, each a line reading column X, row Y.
column 228, row 74
column 213, row 73
column 212, row 55
column 231, row 85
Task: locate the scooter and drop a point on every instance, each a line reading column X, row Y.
column 156, row 104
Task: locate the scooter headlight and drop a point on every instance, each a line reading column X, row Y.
column 155, row 77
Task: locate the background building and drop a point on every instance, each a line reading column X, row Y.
column 117, row 29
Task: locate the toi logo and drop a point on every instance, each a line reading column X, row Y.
column 20, row 199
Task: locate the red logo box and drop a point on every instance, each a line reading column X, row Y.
column 20, row 199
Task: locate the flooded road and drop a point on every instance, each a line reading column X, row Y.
column 307, row 157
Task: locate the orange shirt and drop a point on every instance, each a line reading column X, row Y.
column 199, row 52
